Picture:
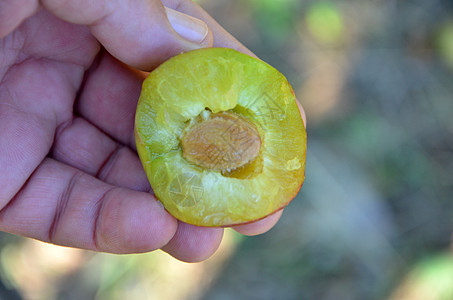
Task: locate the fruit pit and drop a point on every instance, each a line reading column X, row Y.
column 221, row 141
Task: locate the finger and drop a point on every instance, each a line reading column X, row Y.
column 302, row 112
column 221, row 37
column 109, row 98
column 189, row 27
column 31, row 107
column 121, row 167
column 14, row 12
column 137, row 32
column 64, row 206
column 192, row 243
column 20, row 152
column 83, row 146
column 260, row 226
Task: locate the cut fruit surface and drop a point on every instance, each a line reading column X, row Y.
column 220, row 137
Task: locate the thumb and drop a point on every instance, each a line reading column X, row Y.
column 144, row 33
column 190, row 28
column 141, row 33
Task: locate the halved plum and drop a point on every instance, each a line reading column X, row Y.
column 220, row 137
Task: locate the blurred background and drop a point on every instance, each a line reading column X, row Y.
column 374, row 217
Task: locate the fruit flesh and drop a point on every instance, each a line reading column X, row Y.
column 220, row 80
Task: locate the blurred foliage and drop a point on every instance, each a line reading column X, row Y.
column 445, row 42
column 277, row 16
column 325, row 23
column 374, row 217
column 431, row 279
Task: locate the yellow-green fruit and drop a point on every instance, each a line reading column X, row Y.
column 220, row 137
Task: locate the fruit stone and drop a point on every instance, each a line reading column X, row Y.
column 220, row 137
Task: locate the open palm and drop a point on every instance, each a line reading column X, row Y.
column 69, row 171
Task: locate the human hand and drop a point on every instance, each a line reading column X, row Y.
column 70, row 78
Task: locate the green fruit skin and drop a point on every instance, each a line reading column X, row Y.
column 220, row 79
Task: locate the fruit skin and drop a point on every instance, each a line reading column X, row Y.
column 220, row 79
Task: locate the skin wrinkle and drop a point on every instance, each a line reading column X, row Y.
column 14, row 44
column 86, row 75
column 62, row 204
column 107, row 165
column 9, row 104
column 61, row 128
column 100, row 204
column 4, row 209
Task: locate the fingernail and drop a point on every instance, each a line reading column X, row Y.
column 188, row 27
